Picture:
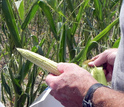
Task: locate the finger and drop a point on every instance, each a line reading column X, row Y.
column 100, row 60
column 66, row 67
column 57, row 95
column 109, row 68
column 109, row 73
column 51, row 81
column 105, row 72
column 60, row 67
column 111, row 58
column 109, row 76
column 95, row 57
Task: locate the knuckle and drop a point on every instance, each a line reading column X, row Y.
column 53, row 85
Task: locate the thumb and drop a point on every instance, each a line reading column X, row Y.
column 50, row 80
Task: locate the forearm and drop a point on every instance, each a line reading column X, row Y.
column 105, row 97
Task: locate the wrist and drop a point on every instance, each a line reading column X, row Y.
column 87, row 84
column 87, row 101
column 87, row 88
column 99, row 98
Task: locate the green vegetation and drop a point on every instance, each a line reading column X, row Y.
column 61, row 30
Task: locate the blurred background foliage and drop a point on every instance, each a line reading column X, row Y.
column 61, row 30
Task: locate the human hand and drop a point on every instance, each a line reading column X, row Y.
column 105, row 59
column 71, row 86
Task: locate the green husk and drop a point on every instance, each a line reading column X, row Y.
column 96, row 72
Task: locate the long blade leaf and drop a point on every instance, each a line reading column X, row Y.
column 79, row 15
column 102, row 34
column 11, row 23
column 47, row 13
column 20, row 8
column 5, row 85
column 70, row 6
column 30, row 15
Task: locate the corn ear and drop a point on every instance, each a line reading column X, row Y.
column 98, row 74
column 40, row 61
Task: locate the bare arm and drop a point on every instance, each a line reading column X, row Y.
column 105, row 97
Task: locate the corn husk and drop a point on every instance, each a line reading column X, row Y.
column 96, row 72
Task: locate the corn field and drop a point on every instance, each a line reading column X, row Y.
column 61, row 30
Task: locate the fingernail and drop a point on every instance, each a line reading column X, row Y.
column 91, row 63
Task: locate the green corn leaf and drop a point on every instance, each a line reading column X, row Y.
column 51, row 3
column 49, row 50
column 24, row 71
column 42, row 42
column 98, row 9
column 40, row 50
column 28, row 86
column 91, row 43
column 104, row 3
column 114, row 3
column 116, row 44
column 34, row 72
column 112, row 14
column 70, row 45
column 79, row 15
column 106, row 30
column 16, row 84
column 30, row 80
column 63, row 36
column 62, row 46
column 30, row 15
column 102, row 34
column 47, row 13
column 3, row 96
column 41, row 88
column 73, row 30
column 5, row 85
column 82, row 55
column 11, row 23
column 70, row 6
column 22, row 100
column 20, row 8
column 35, row 40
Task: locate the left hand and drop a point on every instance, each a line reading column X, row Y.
column 71, row 86
column 105, row 59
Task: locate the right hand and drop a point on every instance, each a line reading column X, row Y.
column 105, row 59
column 71, row 86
